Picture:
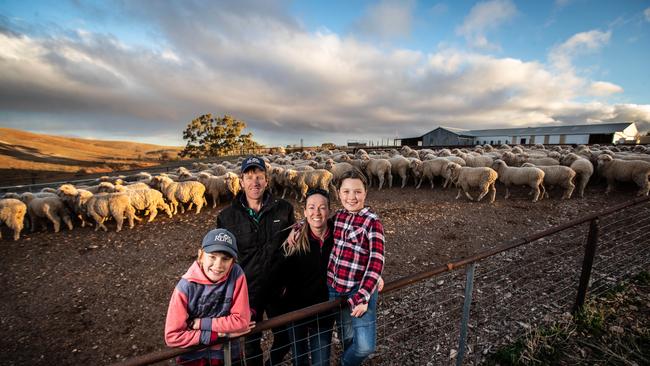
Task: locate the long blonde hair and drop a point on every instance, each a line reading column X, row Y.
column 302, row 243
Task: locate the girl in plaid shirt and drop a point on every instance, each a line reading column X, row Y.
column 355, row 267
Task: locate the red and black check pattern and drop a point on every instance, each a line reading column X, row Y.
column 357, row 258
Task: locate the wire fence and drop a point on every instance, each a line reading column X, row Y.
column 446, row 315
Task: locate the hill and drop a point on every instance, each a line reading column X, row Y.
column 25, row 155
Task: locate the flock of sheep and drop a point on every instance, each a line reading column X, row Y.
column 477, row 169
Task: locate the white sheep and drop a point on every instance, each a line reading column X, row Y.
column 178, row 193
column 399, row 166
column 434, row 168
column 146, row 199
column 102, row 206
column 476, row 160
column 219, row 186
column 637, row 171
column 379, row 168
column 530, row 176
column 51, row 208
column 302, row 181
column 12, row 214
column 557, row 175
column 337, row 169
column 584, row 170
column 466, row 178
column 70, row 196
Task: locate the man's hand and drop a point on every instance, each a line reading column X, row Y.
column 359, row 310
column 380, row 284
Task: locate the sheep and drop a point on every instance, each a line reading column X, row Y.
column 13, row 195
column 12, row 214
column 434, row 168
column 146, row 199
column 530, row 176
column 104, row 205
column 70, row 196
column 584, row 170
column 380, row 168
column 337, row 169
column 180, row 192
column 542, row 161
column 557, row 175
column 219, row 186
column 465, row 178
column 302, row 181
column 636, row 171
column 51, row 208
column 399, row 165
column 476, row 161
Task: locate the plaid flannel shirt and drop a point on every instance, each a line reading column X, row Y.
column 357, row 258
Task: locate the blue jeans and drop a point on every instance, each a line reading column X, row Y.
column 359, row 335
column 311, row 338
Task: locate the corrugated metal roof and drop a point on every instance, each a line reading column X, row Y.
column 551, row 130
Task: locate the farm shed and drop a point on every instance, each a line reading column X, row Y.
column 605, row 133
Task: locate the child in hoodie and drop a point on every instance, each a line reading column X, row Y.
column 210, row 301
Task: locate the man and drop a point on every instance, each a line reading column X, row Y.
column 260, row 223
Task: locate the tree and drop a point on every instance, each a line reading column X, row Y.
column 209, row 136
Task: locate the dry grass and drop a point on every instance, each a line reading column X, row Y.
column 26, row 154
column 610, row 330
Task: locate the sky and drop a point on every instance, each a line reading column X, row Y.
column 320, row 71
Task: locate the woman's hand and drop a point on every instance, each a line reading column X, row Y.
column 359, row 310
column 292, row 239
column 380, row 284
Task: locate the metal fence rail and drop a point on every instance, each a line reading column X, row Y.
column 445, row 315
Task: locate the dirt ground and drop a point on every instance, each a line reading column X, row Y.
column 86, row 297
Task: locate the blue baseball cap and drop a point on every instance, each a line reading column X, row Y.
column 253, row 161
column 220, row 240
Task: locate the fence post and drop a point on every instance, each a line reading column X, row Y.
column 469, row 285
column 587, row 262
column 227, row 354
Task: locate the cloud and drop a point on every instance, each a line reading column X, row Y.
column 603, row 88
column 585, row 42
column 646, row 13
column 483, row 17
column 387, row 20
column 285, row 82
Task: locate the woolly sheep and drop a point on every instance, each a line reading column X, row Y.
column 399, row 166
column 102, row 206
column 584, row 170
column 636, row 171
column 337, row 169
column 379, row 168
column 219, row 186
column 12, row 214
column 13, row 195
column 302, row 181
column 476, row 161
column 434, row 168
column 51, row 208
column 178, row 193
column 70, row 196
column 146, row 199
column 530, row 176
column 465, row 178
column 558, row 175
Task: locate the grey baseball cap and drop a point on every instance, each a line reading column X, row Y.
column 220, row 240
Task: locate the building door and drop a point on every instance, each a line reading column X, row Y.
column 523, row 141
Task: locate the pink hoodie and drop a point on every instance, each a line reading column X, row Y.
column 221, row 306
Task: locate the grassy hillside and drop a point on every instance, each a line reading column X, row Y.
column 29, row 154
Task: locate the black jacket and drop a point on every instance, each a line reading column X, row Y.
column 305, row 274
column 259, row 243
